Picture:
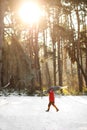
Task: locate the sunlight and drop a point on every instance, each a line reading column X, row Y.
column 30, row 12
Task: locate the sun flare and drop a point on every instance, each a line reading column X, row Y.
column 30, row 12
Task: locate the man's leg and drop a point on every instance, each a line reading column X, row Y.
column 55, row 106
column 48, row 106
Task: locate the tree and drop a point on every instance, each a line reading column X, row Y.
column 66, row 37
column 2, row 12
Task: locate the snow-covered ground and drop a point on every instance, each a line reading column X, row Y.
column 28, row 113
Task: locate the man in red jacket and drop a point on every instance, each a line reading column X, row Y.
column 51, row 100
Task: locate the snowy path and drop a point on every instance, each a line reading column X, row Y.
column 28, row 113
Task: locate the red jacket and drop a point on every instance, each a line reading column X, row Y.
column 51, row 96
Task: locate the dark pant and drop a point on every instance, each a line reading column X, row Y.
column 52, row 103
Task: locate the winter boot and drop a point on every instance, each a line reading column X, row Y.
column 57, row 109
column 47, row 110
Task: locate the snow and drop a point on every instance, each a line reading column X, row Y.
column 28, row 113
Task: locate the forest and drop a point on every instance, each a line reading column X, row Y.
column 43, row 43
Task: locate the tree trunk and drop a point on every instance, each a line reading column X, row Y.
column 59, row 64
column 2, row 2
column 86, row 67
column 45, row 56
column 37, row 59
column 54, row 63
column 78, row 53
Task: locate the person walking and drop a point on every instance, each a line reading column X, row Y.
column 51, row 100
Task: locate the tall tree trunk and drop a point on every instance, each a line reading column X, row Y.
column 2, row 2
column 59, row 64
column 48, row 79
column 86, row 67
column 78, row 53
column 65, row 65
column 54, row 63
column 48, row 75
column 54, row 47
column 37, row 59
column 85, row 28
